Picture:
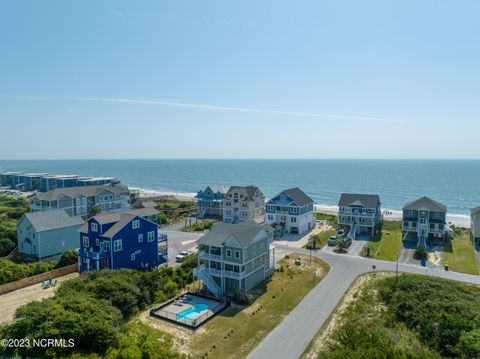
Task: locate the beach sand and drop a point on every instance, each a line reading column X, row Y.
column 456, row 219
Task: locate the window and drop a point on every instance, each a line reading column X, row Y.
column 254, row 250
column 94, row 227
column 136, row 224
column 237, row 254
column 85, row 241
column 151, row 236
column 293, row 219
column 140, row 238
column 97, row 242
column 117, row 245
column 229, row 253
column 132, row 256
column 107, row 246
column 244, row 254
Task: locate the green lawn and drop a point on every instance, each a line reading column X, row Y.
column 460, row 255
column 236, row 331
column 320, row 240
column 387, row 245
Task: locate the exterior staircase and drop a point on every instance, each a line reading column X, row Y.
column 352, row 234
column 422, row 242
column 213, row 287
column 202, row 213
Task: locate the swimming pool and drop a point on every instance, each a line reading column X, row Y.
column 192, row 313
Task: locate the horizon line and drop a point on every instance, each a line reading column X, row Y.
column 241, row 159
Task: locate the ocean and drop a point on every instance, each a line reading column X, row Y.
column 455, row 183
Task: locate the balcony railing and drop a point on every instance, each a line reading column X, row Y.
column 214, row 272
column 234, row 275
column 95, row 255
column 209, row 257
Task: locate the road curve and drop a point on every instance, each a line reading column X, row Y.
column 290, row 338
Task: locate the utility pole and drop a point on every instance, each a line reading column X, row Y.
column 396, row 267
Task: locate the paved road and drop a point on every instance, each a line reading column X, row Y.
column 290, row 338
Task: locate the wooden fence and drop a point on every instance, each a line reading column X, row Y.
column 36, row 279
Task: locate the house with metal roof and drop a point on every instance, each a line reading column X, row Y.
column 244, row 203
column 359, row 214
column 47, row 234
column 210, row 201
column 424, row 219
column 475, row 225
column 122, row 239
column 235, row 257
column 291, row 211
column 77, row 201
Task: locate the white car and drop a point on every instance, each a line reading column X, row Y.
column 182, row 255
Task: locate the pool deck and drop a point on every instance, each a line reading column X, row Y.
column 171, row 310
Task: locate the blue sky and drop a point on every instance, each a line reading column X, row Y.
column 243, row 79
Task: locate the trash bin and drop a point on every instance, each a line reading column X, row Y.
column 446, row 266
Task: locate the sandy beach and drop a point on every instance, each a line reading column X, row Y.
column 458, row 220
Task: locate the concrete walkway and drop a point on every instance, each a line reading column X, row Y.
column 291, row 337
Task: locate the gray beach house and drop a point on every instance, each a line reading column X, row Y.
column 424, row 219
column 359, row 214
column 475, row 225
column 235, row 257
column 47, row 234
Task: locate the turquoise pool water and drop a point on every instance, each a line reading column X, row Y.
column 192, row 313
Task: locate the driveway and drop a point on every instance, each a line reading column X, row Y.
column 290, row 338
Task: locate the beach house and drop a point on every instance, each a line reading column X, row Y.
column 475, row 225
column 359, row 214
column 290, row 211
column 235, row 257
column 244, row 203
column 424, row 219
column 47, row 234
column 126, row 239
column 77, row 201
column 210, row 201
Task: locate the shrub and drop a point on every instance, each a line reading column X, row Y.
column 68, row 258
column 420, row 253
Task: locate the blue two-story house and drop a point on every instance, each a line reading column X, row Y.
column 122, row 240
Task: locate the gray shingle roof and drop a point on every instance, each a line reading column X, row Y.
column 297, row 195
column 87, row 191
column 365, row 200
column 244, row 233
column 247, row 191
column 425, row 203
column 218, row 188
column 49, row 220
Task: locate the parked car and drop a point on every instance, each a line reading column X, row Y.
column 332, row 241
column 341, row 233
column 182, row 255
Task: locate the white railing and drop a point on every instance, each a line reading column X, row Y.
column 200, row 272
column 213, row 271
column 234, row 275
column 208, row 256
